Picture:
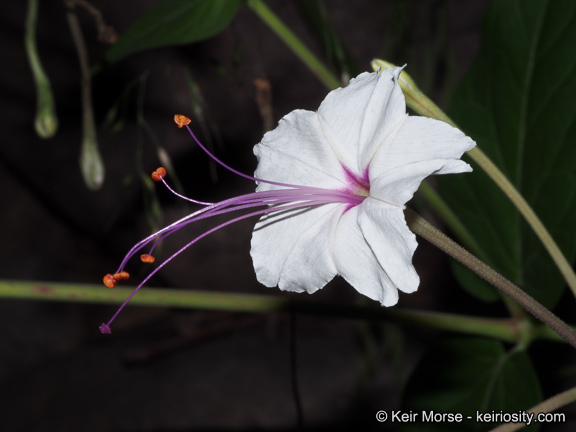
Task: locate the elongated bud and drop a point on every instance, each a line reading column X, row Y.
column 405, row 81
column 415, row 99
column 109, row 281
column 46, row 121
column 91, row 163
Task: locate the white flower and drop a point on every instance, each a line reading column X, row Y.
column 363, row 147
column 332, row 186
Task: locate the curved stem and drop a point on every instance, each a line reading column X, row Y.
column 506, row 329
column 549, row 405
column 421, row 227
column 451, row 220
column 461, row 232
column 46, row 122
column 524, row 208
column 295, row 44
column 422, row 105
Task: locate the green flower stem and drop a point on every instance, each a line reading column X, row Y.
column 46, row 122
column 503, row 329
column 295, row 44
column 422, row 105
column 421, row 227
column 524, row 208
column 549, row 405
column 91, row 163
column 331, row 82
column 462, row 233
column 448, row 216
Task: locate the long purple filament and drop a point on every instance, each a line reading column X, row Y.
column 105, row 328
column 294, row 196
column 233, row 170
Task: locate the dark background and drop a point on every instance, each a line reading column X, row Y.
column 169, row 370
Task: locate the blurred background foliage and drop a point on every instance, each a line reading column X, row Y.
column 88, row 102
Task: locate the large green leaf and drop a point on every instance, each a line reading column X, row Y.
column 174, row 22
column 470, row 375
column 517, row 103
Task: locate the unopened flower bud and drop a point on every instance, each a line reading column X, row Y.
column 415, row 99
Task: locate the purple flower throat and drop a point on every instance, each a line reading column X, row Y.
column 289, row 197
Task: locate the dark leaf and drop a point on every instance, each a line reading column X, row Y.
column 174, row 22
column 470, row 375
column 516, row 103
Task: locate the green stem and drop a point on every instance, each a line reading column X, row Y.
column 462, row 233
column 292, row 41
column 331, row 82
column 451, row 220
column 91, row 163
column 46, row 122
column 295, row 44
column 549, row 405
column 503, row 329
column 422, row 105
column 524, row 208
column 421, row 227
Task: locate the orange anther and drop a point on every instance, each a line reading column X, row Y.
column 147, row 258
column 123, row 275
column 181, row 120
column 109, row 281
column 159, row 174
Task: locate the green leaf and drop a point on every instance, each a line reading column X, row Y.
column 514, row 102
column 466, row 375
column 174, row 22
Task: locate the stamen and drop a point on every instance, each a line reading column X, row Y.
column 105, row 327
column 214, row 158
column 182, row 196
column 290, row 197
column 109, row 281
column 159, row 174
column 181, row 120
column 123, row 275
column 147, row 258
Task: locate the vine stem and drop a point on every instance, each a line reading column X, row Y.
column 295, row 44
column 524, row 208
column 549, row 405
column 504, row 329
column 425, row 230
column 424, row 106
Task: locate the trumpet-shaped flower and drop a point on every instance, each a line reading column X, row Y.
column 334, row 184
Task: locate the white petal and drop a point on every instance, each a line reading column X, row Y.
column 293, row 249
column 385, row 230
column 296, row 152
column 358, row 117
column 421, row 147
column 357, row 263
